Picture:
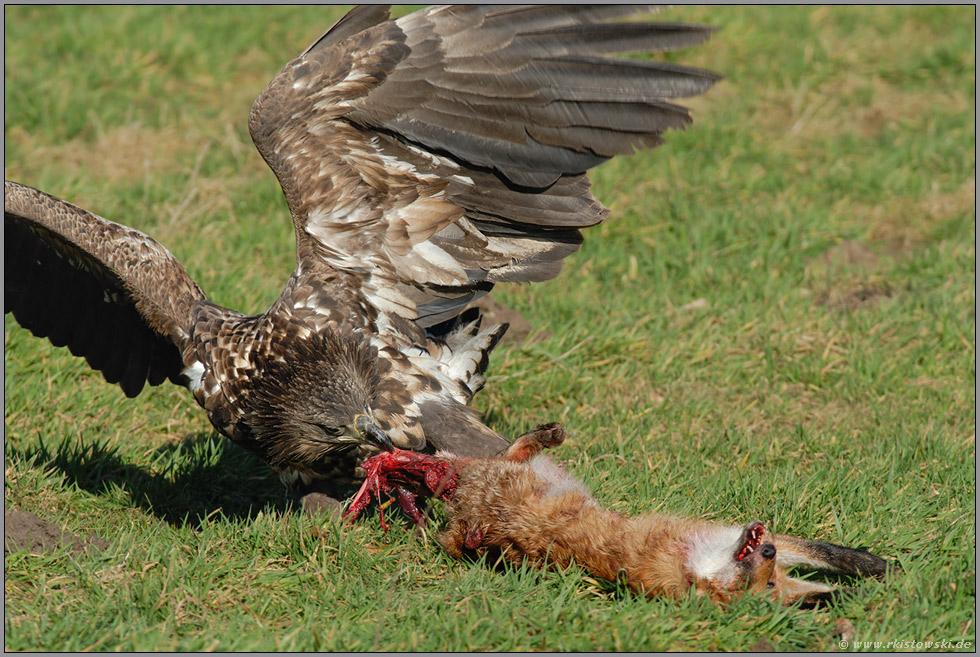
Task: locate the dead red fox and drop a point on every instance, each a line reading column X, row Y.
column 525, row 506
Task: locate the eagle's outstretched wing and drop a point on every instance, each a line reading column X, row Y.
column 108, row 292
column 432, row 156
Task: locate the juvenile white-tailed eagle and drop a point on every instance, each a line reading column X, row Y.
column 423, row 160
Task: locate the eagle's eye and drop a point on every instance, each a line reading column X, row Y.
column 333, row 432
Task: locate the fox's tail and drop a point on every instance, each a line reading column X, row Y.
column 792, row 551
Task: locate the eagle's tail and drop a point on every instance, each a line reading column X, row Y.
column 463, row 351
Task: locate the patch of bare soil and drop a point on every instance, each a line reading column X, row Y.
column 763, row 645
column 25, row 531
column 845, row 277
column 855, row 296
column 121, row 155
column 902, row 225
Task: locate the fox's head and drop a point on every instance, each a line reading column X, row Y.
column 727, row 562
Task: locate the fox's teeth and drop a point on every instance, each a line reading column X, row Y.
column 749, row 549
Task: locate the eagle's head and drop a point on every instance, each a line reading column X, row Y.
column 309, row 406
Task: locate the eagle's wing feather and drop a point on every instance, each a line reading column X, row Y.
column 525, row 91
column 108, row 292
column 438, row 154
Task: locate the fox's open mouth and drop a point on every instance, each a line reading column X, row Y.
column 753, row 539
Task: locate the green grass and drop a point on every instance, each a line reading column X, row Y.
column 820, row 213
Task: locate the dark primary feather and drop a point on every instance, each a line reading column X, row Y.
column 483, row 77
column 107, row 292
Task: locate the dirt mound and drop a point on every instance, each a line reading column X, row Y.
column 25, row 531
column 848, row 277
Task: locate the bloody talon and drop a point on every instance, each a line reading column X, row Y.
column 407, row 475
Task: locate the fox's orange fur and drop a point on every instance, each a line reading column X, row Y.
column 527, row 507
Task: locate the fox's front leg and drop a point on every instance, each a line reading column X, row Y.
column 458, row 538
column 535, row 440
column 451, row 539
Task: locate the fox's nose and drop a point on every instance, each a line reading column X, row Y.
column 768, row 551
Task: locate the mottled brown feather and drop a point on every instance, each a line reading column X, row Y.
column 509, row 105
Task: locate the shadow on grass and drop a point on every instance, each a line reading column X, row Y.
column 186, row 482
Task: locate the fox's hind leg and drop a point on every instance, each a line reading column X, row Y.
column 538, row 438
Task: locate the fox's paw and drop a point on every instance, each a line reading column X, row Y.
column 540, row 437
column 452, row 540
column 548, row 435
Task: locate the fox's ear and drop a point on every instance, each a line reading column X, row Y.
column 792, row 551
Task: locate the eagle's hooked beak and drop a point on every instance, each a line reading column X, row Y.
column 373, row 433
